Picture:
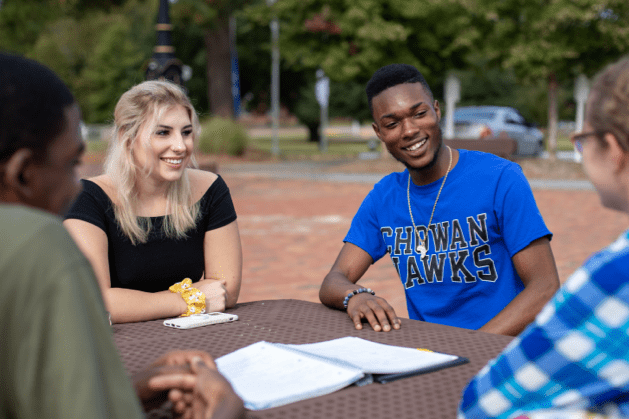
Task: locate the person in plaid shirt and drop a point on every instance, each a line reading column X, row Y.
column 575, row 355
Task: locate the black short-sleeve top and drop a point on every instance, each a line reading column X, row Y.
column 161, row 261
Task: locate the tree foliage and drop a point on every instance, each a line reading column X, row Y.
column 484, row 84
column 98, row 48
column 208, row 21
column 347, row 98
column 21, row 22
column 349, row 39
column 561, row 37
column 505, row 51
column 523, row 42
column 553, row 40
column 114, row 66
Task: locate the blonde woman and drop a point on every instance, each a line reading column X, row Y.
column 151, row 221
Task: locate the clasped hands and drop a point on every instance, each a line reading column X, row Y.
column 375, row 310
column 190, row 381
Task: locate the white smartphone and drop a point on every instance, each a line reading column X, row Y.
column 198, row 320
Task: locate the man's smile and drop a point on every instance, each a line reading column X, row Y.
column 416, row 145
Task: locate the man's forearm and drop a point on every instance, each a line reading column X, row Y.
column 334, row 288
column 521, row 311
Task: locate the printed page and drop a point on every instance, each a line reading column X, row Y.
column 268, row 375
column 375, row 358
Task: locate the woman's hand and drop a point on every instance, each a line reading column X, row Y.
column 215, row 294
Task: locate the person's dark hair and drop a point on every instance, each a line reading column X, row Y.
column 609, row 105
column 32, row 104
column 392, row 75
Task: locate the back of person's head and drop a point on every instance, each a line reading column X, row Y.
column 392, row 75
column 608, row 107
column 32, row 104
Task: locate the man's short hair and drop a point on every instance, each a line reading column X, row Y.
column 32, row 104
column 392, row 75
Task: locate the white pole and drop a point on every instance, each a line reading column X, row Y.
column 322, row 93
column 453, row 95
column 275, row 83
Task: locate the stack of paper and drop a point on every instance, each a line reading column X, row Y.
column 273, row 374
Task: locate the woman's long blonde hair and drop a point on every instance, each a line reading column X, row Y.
column 135, row 119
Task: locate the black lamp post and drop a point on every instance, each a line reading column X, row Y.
column 163, row 63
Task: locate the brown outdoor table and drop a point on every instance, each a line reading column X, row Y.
column 433, row 395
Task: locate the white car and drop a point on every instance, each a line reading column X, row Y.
column 492, row 122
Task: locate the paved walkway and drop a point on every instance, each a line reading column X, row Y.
column 325, row 171
column 293, row 217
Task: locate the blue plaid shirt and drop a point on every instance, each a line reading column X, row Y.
column 574, row 355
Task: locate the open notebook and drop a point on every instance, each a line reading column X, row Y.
column 268, row 375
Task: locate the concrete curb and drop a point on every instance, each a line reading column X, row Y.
column 313, row 171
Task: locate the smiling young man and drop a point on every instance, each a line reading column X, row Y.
column 480, row 257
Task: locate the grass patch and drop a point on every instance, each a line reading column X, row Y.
column 300, row 147
column 563, row 143
column 96, row 146
column 291, row 147
column 222, row 136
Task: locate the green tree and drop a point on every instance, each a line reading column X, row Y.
column 114, row 66
column 98, row 48
column 347, row 99
column 22, row 21
column 553, row 40
column 210, row 20
column 349, row 40
column 483, row 84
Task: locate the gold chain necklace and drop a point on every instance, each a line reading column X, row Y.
column 421, row 245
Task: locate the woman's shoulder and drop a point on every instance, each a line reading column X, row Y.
column 103, row 181
column 104, row 184
column 201, row 181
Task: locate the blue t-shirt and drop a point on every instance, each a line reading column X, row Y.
column 486, row 214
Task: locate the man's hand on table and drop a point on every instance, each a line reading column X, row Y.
column 376, row 310
column 190, row 381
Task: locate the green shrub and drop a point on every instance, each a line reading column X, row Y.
column 223, row 136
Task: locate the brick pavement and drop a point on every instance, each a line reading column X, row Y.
column 292, row 230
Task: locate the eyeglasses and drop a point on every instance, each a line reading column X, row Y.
column 577, row 139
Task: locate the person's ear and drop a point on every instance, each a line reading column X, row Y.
column 16, row 174
column 376, row 129
column 437, row 110
column 616, row 152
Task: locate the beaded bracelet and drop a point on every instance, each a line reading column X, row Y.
column 194, row 298
column 353, row 293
